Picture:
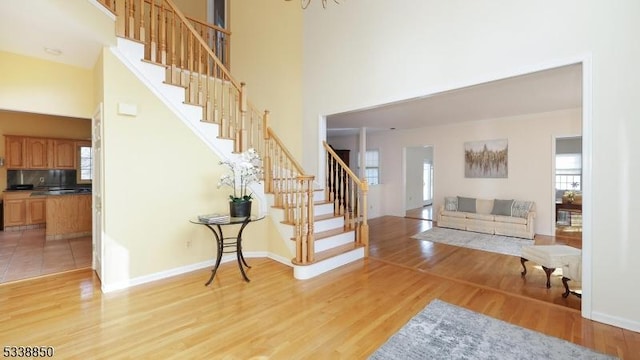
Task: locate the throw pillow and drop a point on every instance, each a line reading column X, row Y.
column 451, row 203
column 502, row 207
column 466, row 204
column 521, row 208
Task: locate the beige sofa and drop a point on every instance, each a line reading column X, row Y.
column 491, row 216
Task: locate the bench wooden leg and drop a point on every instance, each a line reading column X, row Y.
column 565, row 282
column 548, row 271
column 524, row 268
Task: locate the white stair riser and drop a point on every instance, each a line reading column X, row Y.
column 323, row 209
column 328, row 224
column 315, row 269
column 334, row 241
column 318, row 196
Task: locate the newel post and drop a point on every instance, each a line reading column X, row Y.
column 364, row 226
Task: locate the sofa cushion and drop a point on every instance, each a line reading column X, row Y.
column 455, row 214
column 502, row 207
column 466, row 204
column 510, row 219
column 484, row 206
column 521, row 208
column 451, row 203
column 478, row 216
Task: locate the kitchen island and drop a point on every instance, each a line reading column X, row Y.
column 68, row 215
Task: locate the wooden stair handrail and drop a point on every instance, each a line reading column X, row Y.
column 111, row 6
column 346, row 168
column 277, row 140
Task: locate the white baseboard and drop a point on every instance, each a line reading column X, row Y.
column 616, row 321
column 185, row 269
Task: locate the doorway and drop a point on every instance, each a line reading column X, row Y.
column 568, row 189
column 419, row 175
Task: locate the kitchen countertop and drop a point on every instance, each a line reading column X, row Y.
column 62, row 192
column 54, row 191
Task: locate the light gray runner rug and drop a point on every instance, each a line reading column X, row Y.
column 494, row 243
column 445, row 331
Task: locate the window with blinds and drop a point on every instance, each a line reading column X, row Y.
column 569, row 172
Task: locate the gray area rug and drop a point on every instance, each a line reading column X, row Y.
column 494, row 243
column 445, row 331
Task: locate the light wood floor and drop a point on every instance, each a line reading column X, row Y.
column 344, row 314
column 424, row 213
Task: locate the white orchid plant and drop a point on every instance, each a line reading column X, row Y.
column 244, row 171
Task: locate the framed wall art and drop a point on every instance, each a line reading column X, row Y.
column 486, row 159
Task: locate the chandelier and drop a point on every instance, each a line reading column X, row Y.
column 305, row 3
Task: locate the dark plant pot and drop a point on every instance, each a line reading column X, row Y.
column 239, row 208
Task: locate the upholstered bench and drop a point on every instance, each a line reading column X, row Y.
column 551, row 257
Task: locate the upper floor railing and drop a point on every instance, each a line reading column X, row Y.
column 156, row 27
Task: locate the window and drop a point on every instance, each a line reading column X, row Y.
column 569, row 172
column 85, row 166
column 372, row 166
column 427, row 182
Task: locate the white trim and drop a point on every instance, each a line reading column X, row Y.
column 309, row 271
column 322, row 131
column 161, row 275
column 102, row 8
column 587, row 176
column 281, row 259
column 178, row 271
column 615, row 321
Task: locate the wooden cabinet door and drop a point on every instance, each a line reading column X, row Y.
column 64, row 154
column 15, row 152
column 37, row 151
column 15, row 212
column 36, row 211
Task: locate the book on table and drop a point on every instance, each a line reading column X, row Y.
column 213, row 218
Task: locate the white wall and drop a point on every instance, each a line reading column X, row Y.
column 360, row 54
column 531, row 166
column 157, row 175
column 45, row 87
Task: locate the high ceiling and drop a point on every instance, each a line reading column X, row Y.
column 79, row 30
column 543, row 91
column 76, row 29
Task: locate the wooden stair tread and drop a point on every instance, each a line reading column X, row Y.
column 319, row 202
column 328, row 233
column 318, row 218
column 327, row 254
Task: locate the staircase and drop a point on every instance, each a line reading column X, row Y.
column 178, row 59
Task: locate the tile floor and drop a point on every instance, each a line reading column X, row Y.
column 26, row 254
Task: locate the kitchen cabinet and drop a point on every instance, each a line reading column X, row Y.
column 21, row 209
column 64, row 154
column 36, row 210
column 25, row 152
column 38, row 153
column 15, row 152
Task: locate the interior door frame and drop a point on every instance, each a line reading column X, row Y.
column 97, row 215
column 405, row 175
column 554, row 151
